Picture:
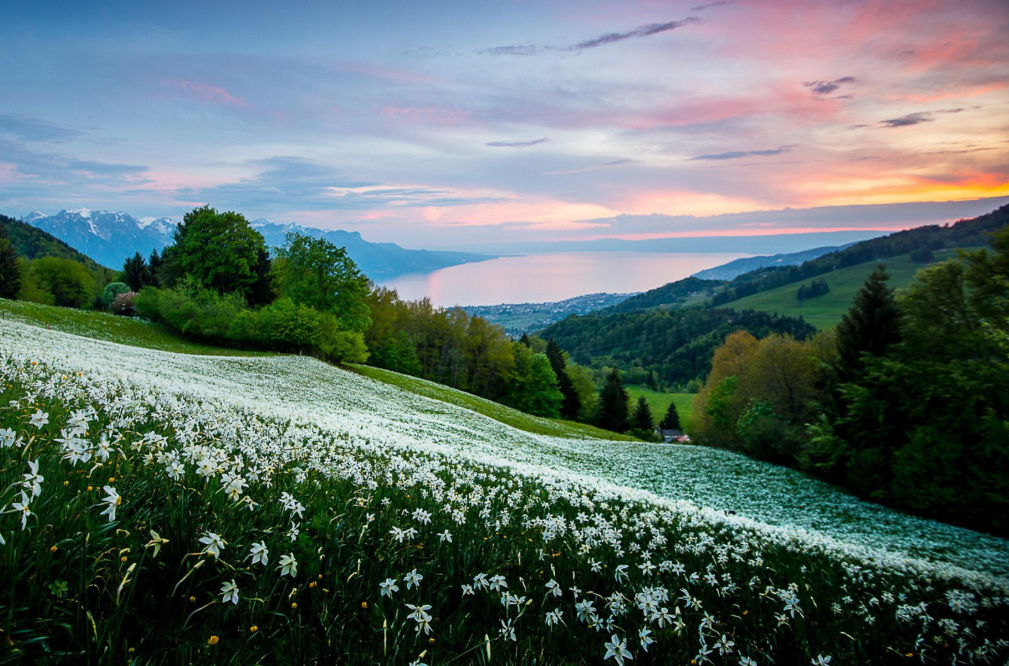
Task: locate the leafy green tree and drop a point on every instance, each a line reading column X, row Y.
column 533, row 385
column 671, row 421
column 112, row 290
column 871, row 325
column 642, row 419
column 220, row 251
column 317, row 273
column 10, row 269
column 613, row 410
column 70, row 282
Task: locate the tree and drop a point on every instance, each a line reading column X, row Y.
column 572, row 404
column 317, row 273
column 112, row 290
column 613, row 404
column 219, row 250
column 69, row 282
column 10, row 269
column 154, row 266
column 136, row 272
column 871, row 325
column 533, row 386
column 671, row 421
column 642, row 419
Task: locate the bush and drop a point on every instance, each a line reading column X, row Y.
column 124, row 304
column 112, row 290
column 69, row 282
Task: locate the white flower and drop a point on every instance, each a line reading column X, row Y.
column 746, row 661
column 387, row 587
column 645, row 636
column 821, row 660
column 112, row 500
column 156, row 542
column 33, row 480
column 620, row 573
column 554, row 617
column 259, row 553
column 397, row 534
column 214, row 544
column 617, row 649
column 176, row 470
column 412, row 578
column 229, row 592
column 445, row 536
column 554, row 588
column 39, row 419
column 23, row 508
column 507, row 631
column 467, row 591
column 7, row 438
column 288, row 565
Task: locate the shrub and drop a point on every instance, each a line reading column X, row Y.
column 124, row 303
column 112, row 290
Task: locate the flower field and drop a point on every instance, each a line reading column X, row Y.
column 164, row 508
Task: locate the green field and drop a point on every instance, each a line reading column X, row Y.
column 825, row 311
column 659, row 401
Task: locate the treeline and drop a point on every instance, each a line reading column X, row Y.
column 921, row 241
column 812, row 290
column 36, row 266
column 907, row 403
column 675, row 345
column 671, row 294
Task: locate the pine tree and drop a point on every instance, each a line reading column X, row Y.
column 672, row 419
column 136, row 272
column 642, row 417
column 613, row 404
column 572, row 404
column 154, row 267
column 871, row 325
column 10, row 270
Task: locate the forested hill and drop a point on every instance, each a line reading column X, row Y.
column 965, row 233
column 675, row 344
column 31, row 243
column 673, row 294
column 922, row 240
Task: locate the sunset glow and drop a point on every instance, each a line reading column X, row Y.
column 441, row 124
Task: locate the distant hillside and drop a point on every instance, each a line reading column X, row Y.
column 674, row 294
column 747, row 264
column 825, row 311
column 32, row 243
column 965, row 233
column 378, row 261
column 112, row 237
column 676, row 344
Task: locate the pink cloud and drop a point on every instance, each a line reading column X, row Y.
column 204, row 92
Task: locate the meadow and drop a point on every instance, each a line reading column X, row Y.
column 170, row 508
column 659, row 401
column 824, row 312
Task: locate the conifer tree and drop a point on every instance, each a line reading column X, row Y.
column 10, row 269
column 671, row 421
column 613, row 404
column 871, row 325
column 572, row 404
column 136, row 272
column 642, row 417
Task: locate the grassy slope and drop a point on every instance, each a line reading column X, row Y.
column 498, row 412
column 104, row 326
column 137, row 333
column 659, row 401
column 825, row 311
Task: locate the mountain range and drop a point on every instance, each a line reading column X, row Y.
column 110, row 237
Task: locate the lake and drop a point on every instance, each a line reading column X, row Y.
column 538, row 278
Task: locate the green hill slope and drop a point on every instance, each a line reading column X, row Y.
column 825, row 311
column 32, row 243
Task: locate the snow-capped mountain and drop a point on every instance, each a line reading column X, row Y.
column 106, row 236
column 111, row 237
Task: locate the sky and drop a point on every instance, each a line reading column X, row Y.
column 444, row 123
